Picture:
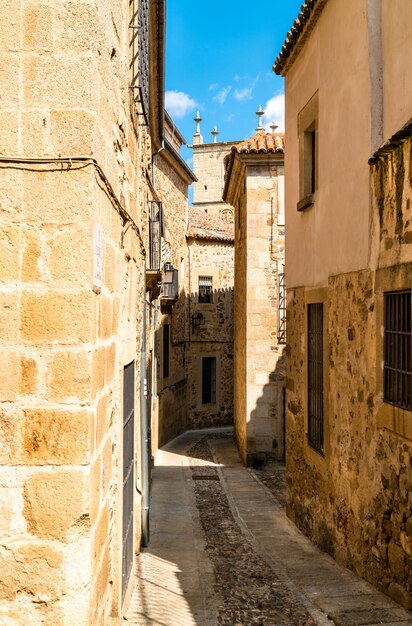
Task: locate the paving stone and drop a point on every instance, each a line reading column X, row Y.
column 223, row 552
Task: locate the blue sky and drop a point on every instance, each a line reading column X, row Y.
column 219, row 57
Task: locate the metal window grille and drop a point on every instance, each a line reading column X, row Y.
column 397, row 349
column 155, row 233
column 139, row 45
column 128, row 474
column 209, row 380
column 315, row 377
column 166, row 350
column 205, row 289
column 282, row 307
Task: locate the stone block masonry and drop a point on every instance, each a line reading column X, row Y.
column 71, row 159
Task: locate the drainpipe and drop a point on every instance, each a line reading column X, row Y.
column 143, row 406
column 144, row 427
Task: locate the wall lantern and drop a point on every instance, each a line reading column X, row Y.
column 198, row 319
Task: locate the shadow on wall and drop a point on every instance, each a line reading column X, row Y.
column 267, row 428
column 195, row 362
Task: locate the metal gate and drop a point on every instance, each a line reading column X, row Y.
column 128, row 474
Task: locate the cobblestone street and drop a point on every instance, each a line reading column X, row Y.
column 223, row 553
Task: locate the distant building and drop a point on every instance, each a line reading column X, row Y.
column 254, row 186
column 209, row 280
column 349, row 275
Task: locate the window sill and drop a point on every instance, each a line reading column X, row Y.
column 306, row 202
column 395, row 419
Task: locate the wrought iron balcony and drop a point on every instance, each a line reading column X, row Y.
column 170, row 288
column 153, row 273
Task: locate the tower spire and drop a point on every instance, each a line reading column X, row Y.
column 260, row 114
column 197, row 137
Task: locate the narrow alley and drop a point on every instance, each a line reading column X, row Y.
column 222, row 551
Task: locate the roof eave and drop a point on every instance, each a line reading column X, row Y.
column 297, row 36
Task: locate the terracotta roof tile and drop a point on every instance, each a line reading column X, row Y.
column 295, row 38
column 203, row 226
column 262, row 142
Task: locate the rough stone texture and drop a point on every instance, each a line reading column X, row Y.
column 209, row 165
column 54, row 502
column 259, row 361
column 64, row 92
column 215, row 337
column 355, row 501
column 173, row 191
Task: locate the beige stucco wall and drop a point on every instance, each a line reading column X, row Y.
column 64, row 92
column 332, row 236
column 397, row 52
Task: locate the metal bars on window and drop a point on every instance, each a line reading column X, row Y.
column 315, row 377
column 205, row 289
column 209, row 380
column 397, row 349
column 155, row 234
column 139, row 44
column 128, row 474
column 282, row 307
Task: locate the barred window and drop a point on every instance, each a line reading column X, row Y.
column 139, row 46
column 209, row 380
column 205, row 289
column 397, row 349
column 315, row 377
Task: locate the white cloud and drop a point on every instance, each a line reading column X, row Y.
column 213, row 86
column 243, row 94
column 223, row 94
column 178, row 104
column 275, row 112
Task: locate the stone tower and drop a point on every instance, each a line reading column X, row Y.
column 209, row 165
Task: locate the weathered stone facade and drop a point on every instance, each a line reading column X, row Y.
column 173, row 178
column 353, row 496
column 73, row 219
column 254, row 186
column 209, row 164
column 211, row 255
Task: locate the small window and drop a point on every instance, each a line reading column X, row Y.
column 397, row 388
column 315, row 377
column 209, row 380
column 308, row 152
column 205, row 289
column 166, row 351
column 309, row 161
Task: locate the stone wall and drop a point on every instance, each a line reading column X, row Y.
column 259, row 356
column 64, row 340
column 209, row 166
column 215, row 337
column 354, row 501
column 173, row 191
